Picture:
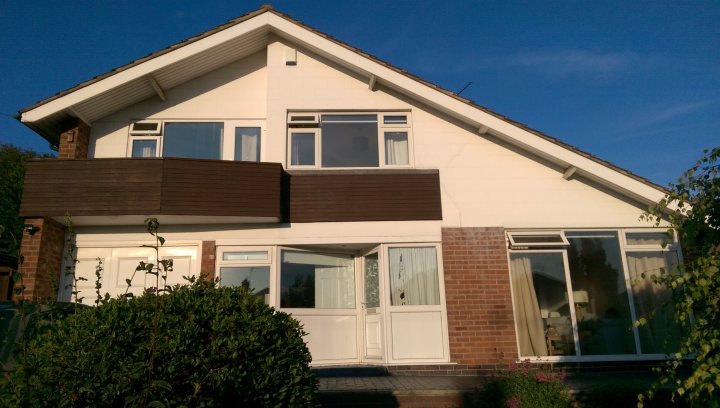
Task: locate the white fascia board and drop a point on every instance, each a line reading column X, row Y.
column 447, row 104
column 145, row 68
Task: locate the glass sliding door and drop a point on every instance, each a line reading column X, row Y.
column 542, row 310
column 601, row 302
column 580, row 294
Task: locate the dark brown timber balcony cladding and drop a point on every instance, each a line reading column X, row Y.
column 364, row 195
column 97, row 187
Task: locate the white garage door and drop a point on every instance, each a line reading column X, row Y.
column 118, row 264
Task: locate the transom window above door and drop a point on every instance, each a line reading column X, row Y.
column 237, row 140
column 349, row 140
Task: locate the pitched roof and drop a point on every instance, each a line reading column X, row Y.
column 241, row 36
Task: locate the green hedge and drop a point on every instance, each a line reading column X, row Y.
column 198, row 346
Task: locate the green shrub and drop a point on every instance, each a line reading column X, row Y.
column 624, row 394
column 197, row 346
column 524, row 385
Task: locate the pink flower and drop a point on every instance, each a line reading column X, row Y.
column 513, row 402
column 541, row 377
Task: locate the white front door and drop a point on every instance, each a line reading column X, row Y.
column 373, row 344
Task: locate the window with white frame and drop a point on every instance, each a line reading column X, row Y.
column 243, row 266
column 413, row 276
column 349, row 140
column 316, row 280
column 581, row 299
column 196, row 139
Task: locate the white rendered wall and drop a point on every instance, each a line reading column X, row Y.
column 483, row 182
column 235, row 91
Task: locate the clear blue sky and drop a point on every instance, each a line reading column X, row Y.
column 634, row 83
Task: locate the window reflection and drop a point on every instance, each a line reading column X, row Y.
column 602, row 305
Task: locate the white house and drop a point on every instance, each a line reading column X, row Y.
column 402, row 224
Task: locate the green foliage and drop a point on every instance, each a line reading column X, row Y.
column 623, row 394
column 12, row 173
column 524, row 385
column 210, row 346
column 693, row 209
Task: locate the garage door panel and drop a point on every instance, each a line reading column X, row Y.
column 119, row 264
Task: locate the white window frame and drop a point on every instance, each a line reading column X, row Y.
column 154, row 132
column 227, row 139
column 511, row 235
column 623, row 249
column 673, row 244
column 248, row 263
column 315, row 126
column 316, row 133
column 133, row 138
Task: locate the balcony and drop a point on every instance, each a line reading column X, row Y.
column 124, row 191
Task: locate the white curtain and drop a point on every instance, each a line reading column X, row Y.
column 414, row 276
column 334, row 287
column 527, row 309
column 661, row 332
column 249, row 143
column 396, row 148
column 148, row 151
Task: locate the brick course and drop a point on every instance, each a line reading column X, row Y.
column 42, row 255
column 207, row 260
column 479, row 306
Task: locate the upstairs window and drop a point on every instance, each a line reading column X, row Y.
column 231, row 140
column 196, row 140
column 348, row 140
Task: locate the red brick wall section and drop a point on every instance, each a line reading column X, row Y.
column 74, row 142
column 207, row 262
column 42, row 258
column 477, row 290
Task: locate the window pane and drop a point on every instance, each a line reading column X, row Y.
column 302, row 150
column 145, row 126
column 193, row 140
column 647, row 238
column 245, row 256
column 350, row 144
column 537, row 239
column 414, row 276
column 602, row 305
column 372, row 281
column 256, row 277
column 313, row 280
column 349, row 118
column 396, row 148
column 144, row 148
column 395, row 119
column 247, row 144
column 542, row 311
column 661, row 335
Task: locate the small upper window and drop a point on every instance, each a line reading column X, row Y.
column 145, row 128
column 520, row 240
column 648, row 238
column 395, row 119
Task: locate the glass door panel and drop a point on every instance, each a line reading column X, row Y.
column 373, row 330
column 601, row 302
column 540, row 294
